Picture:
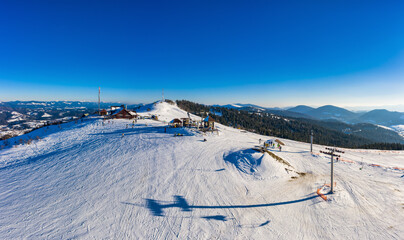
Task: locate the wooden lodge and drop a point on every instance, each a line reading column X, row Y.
column 103, row 112
column 122, row 113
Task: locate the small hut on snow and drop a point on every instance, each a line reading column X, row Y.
column 209, row 122
column 176, row 122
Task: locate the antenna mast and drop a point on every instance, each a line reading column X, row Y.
column 99, row 93
column 162, row 94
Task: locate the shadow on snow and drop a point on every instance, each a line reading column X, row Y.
column 151, row 129
column 156, row 207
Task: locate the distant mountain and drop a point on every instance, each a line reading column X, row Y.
column 364, row 130
column 378, row 116
column 259, row 109
column 382, row 117
column 250, row 106
column 332, row 112
column 301, row 109
column 241, row 106
column 287, row 113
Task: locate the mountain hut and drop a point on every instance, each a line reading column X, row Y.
column 209, row 122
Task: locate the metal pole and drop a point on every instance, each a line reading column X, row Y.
column 332, row 171
column 311, row 142
column 99, row 92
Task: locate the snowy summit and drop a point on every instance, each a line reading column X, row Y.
column 141, row 179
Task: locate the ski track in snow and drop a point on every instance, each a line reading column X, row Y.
column 88, row 181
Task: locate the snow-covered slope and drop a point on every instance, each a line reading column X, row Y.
column 399, row 129
column 95, row 180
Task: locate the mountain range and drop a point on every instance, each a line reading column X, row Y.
column 330, row 112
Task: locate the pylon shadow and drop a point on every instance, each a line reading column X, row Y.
column 157, row 207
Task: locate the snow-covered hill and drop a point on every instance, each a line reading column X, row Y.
column 95, row 179
column 164, row 111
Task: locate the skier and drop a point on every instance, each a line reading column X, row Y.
column 280, row 148
column 259, row 141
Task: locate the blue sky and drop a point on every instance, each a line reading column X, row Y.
column 263, row 52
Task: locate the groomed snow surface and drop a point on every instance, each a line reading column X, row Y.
column 90, row 180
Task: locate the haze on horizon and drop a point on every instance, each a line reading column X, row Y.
column 269, row 54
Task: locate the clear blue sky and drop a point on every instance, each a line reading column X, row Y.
column 271, row 53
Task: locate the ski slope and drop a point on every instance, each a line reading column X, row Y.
column 90, row 180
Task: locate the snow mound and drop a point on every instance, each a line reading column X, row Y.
column 257, row 164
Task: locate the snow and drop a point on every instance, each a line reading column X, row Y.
column 399, row 129
column 381, row 126
column 256, row 164
column 217, row 113
column 91, row 180
column 46, row 115
column 16, row 117
column 164, row 111
column 33, row 103
column 235, row 105
column 14, row 120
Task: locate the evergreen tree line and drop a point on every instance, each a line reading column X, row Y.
column 290, row 128
column 384, row 146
